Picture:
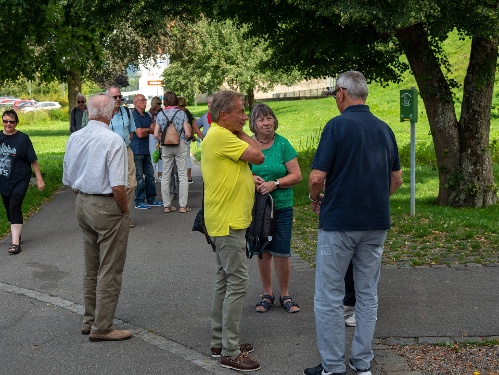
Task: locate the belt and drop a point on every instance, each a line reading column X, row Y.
column 99, row 195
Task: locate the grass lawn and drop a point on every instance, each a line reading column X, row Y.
column 435, row 235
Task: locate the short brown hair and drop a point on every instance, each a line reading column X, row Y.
column 181, row 101
column 170, row 98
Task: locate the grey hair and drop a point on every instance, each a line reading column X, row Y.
column 80, row 95
column 258, row 111
column 354, row 83
column 223, row 101
column 113, row 86
column 100, row 106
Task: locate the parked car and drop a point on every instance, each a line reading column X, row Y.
column 18, row 104
column 26, row 105
column 8, row 101
column 42, row 105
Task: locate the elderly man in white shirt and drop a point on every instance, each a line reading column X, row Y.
column 95, row 167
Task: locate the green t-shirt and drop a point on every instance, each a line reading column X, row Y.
column 274, row 167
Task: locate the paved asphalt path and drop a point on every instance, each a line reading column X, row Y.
column 165, row 300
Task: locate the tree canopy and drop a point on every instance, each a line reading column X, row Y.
column 325, row 38
column 206, row 56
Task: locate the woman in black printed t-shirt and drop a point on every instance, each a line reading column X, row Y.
column 17, row 158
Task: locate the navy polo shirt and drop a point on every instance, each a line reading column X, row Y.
column 358, row 152
column 140, row 146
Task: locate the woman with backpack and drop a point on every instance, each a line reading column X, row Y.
column 173, row 131
column 276, row 176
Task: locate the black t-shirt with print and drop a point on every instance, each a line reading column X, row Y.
column 16, row 155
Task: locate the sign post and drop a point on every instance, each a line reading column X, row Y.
column 409, row 111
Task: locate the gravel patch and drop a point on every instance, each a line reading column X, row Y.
column 455, row 359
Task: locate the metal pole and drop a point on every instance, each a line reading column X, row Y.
column 413, row 168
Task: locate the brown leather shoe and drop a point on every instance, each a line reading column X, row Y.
column 217, row 352
column 85, row 331
column 241, row 362
column 116, row 335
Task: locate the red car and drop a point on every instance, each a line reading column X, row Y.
column 24, row 102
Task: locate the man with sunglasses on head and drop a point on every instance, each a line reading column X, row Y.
column 77, row 113
column 358, row 166
column 123, row 124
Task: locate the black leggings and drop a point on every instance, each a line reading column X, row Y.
column 13, row 205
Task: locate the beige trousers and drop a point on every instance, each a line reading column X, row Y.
column 105, row 239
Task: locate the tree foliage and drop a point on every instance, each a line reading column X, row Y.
column 325, row 38
column 206, row 56
column 69, row 40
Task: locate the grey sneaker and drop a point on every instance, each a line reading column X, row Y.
column 351, row 321
column 360, row 371
column 348, row 311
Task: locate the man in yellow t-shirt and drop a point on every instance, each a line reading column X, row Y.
column 228, row 201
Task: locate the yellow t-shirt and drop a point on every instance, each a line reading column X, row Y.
column 229, row 189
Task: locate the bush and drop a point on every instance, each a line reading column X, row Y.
column 27, row 118
column 425, row 155
column 60, row 114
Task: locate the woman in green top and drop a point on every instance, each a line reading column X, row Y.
column 276, row 176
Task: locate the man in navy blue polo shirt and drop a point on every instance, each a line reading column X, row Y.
column 146, row 184
column 358, row 160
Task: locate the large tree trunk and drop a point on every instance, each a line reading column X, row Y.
column 74, row 88
column 458, row 146
column 250, row 97
column 474, row 182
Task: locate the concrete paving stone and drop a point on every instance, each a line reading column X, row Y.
column 390, row 267
column 455, row 265
column 435, row 340
column 400, row 341
column 395, row 367
column 390, row 358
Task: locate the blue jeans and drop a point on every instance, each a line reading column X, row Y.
column 146, row 187
column 334, row 252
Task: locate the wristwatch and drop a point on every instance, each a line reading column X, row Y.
column 276, row 182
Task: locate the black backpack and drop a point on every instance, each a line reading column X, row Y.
column 262, row 228
column 200, row 226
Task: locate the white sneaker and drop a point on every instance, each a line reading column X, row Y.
column 351, row 321
column 359, row 371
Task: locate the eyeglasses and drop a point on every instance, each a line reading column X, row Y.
column 82, row 101
column 117, row 97
column 336, row 91
column 9, row 121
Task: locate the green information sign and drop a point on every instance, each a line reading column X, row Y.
column 409, row 105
